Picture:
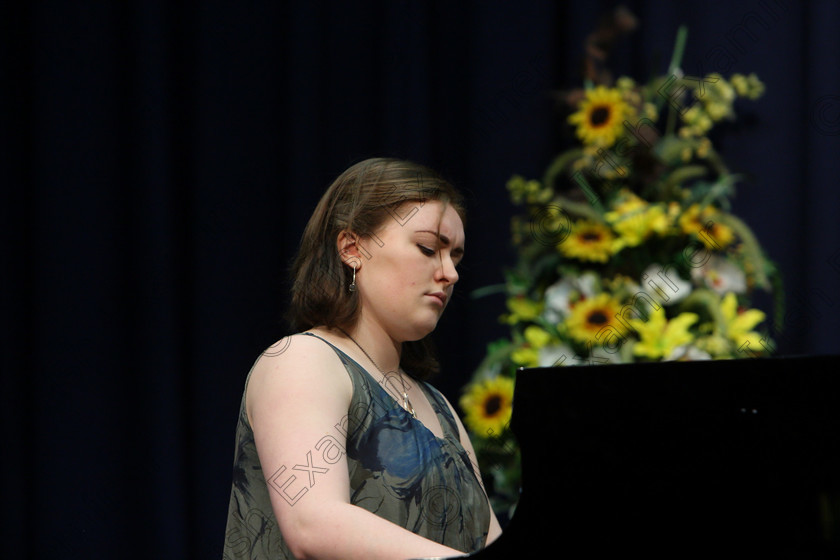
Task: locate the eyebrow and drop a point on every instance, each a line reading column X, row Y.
column 443, row 239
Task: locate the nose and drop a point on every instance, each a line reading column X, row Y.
column 447, row 272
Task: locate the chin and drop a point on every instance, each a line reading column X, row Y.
column 420, row 331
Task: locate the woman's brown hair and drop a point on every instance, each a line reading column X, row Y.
column 360, row 201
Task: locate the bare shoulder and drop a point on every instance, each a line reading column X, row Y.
column 297, row 367
column 448, row 404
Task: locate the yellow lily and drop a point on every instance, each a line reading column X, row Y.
column 659, row 336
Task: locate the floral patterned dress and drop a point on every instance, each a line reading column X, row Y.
column 398, row 470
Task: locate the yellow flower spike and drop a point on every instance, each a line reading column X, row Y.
column 535, row 193
column 600, row 119
column 756, row 87
column 729, row 92
column 515, row 185
column 704, row 124
column 739, row 324
column 625, row 82
column 536, row 336
column 724, row 90
column 525, row 357
column 522, row 309
column 631, row 97
column 739, row 82
column 704, row 147
column 487, row 406
column 658, row 336
column 674, row 210
column 717, row 111
column 690, row 115
column 530, row 191
column 649, row 111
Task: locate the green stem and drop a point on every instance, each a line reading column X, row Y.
column 495, row 357
column 676, row 60
column 679, row 49
column 751, row 248
column 778, row 300
column 488, row 290
column 593, row 212
column 671, row 123
column 558, row 165
column 720, row 190
column 711, row 302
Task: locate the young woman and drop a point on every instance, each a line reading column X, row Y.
column 343, row 451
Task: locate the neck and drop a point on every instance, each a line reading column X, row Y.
column 384, row 352
column 376, row 343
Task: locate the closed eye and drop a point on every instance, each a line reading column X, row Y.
column 425, row 250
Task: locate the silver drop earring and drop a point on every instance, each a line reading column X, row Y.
column 352, row 286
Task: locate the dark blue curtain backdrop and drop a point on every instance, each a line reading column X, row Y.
column 159, row 161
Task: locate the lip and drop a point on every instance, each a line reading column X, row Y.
column 439, row 296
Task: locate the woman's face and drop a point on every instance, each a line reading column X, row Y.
column 407, row 273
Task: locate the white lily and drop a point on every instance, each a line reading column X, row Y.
column 687, row 353
column 563, row 355
column 558, row 295
column 720, row 275
column 664, row 285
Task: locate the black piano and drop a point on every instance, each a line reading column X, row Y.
column 720, row 459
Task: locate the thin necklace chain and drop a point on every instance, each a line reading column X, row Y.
column 406, row 402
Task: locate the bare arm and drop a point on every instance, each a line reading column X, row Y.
column 293, row 400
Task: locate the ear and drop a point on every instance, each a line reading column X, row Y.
column 348, row 249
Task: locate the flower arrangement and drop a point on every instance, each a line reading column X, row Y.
column 627, row 250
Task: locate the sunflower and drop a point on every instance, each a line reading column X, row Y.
column 592, row 318
column 702, row 223
column 600, row 119
column 589, row 241
column 488, row 405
